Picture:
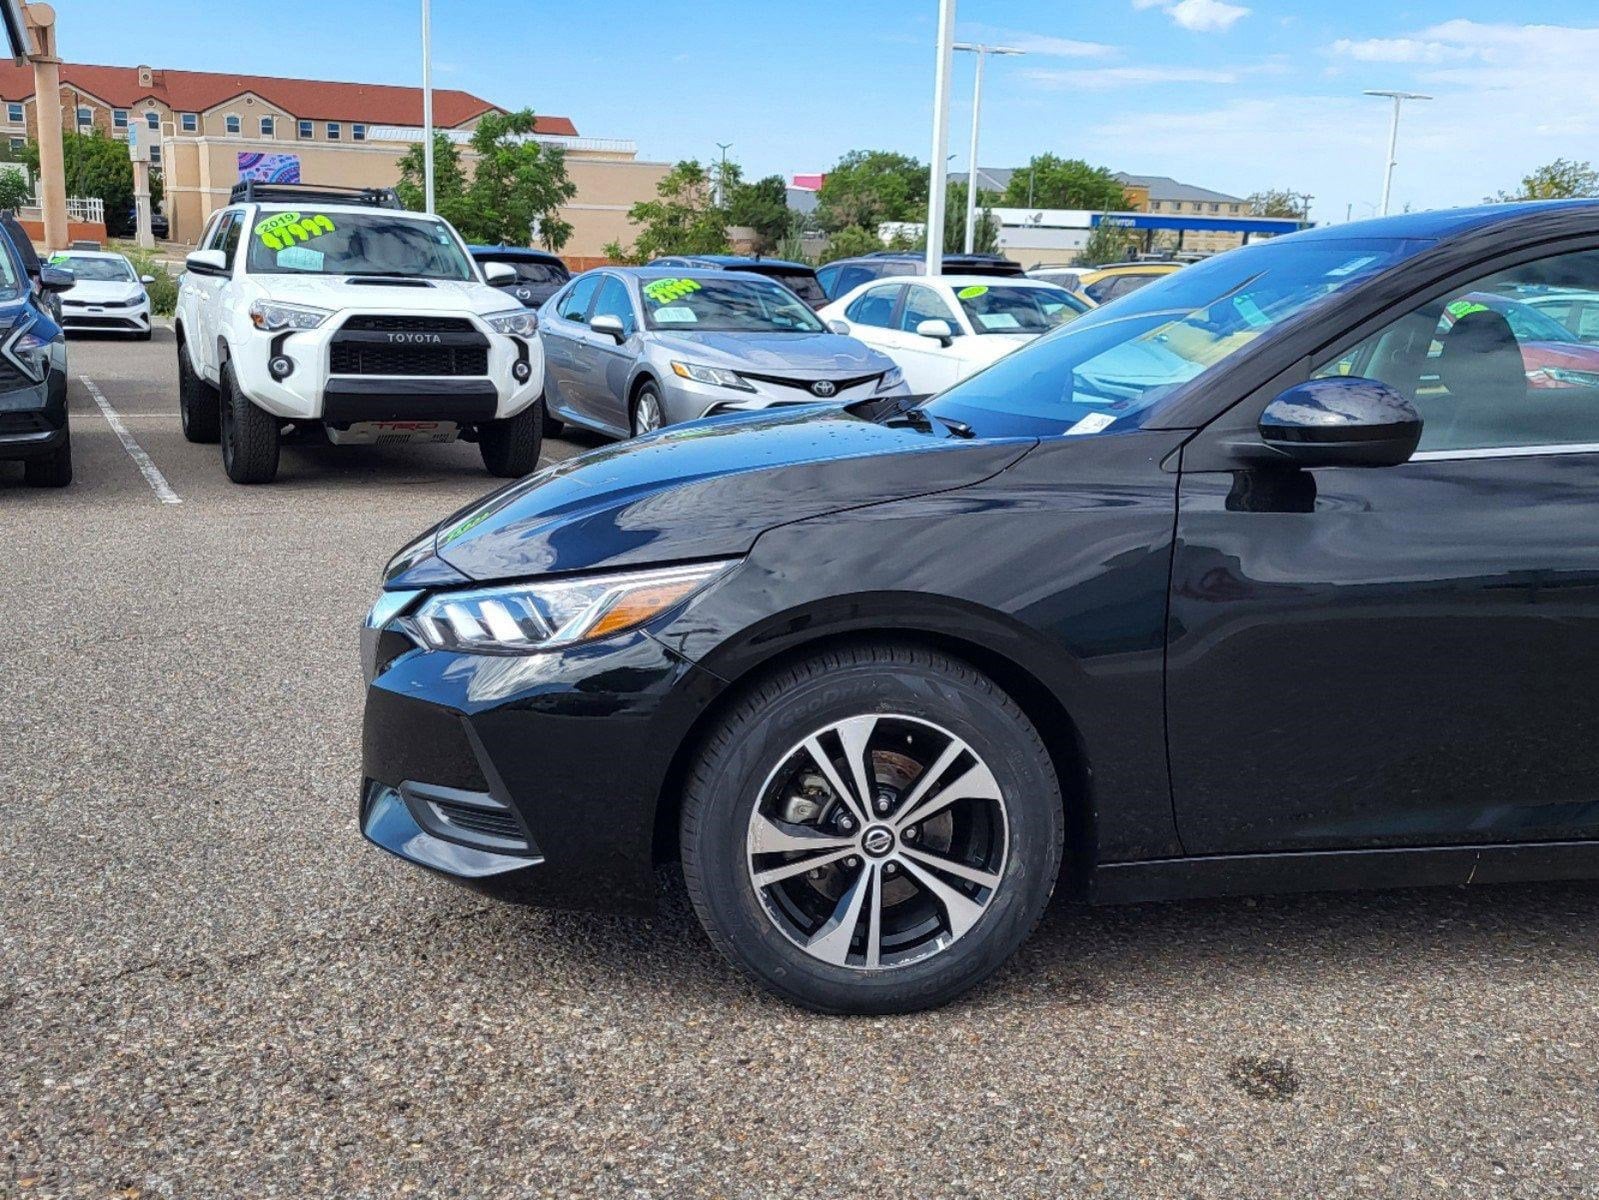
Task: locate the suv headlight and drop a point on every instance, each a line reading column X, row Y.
column 891, row 379
column 542, row 615
column 715, row 375
column 28, row 350
column 273, row 317
column 513, row 323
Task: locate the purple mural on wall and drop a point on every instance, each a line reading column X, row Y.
column 269, row 168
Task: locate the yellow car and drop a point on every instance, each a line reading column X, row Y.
column 1106, row 283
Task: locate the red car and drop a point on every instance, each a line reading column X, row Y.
column 1552, row 353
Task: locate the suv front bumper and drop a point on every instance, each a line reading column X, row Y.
column 33, row 419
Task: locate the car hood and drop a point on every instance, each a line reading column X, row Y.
column 101, row 291
column 340, row 292
column 707, row 489
column 806, row 355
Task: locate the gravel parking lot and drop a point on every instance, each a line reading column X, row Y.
column 209, row 985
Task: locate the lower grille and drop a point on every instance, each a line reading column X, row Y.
column 470, row 818
column 477, row 820
column 16, row 424
column 12, row 378
column 368, row 358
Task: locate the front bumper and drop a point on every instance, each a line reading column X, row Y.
column 534, row 778
column 688, row 400
column 33, row 419
column 99, row 318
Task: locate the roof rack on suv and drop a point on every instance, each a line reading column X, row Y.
column 253, row 191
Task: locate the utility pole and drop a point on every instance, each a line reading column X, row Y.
column 938, row 167
column 982, row 53
column 721, row 180
column 1393, row 140
column 427, row 106
column 41, row 22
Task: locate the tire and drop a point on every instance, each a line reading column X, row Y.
column 53, row 470
column 918, row 705
column 249, row 438
column 199, row 408
column 510, row 448
column 142, row 336
column 647, row 401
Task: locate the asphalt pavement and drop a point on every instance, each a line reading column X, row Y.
column 211, row 986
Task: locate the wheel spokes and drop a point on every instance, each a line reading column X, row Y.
column 820, row 757
column 855, row 735
column 832, row 941
column 960, row 912
column 765, row 879
column 780, row 837
column 976, row 783
column 987, row 879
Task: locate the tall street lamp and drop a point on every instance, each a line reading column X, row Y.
column 1393, row 139
column 721, row 180
column 938, row 168
column 982, row 53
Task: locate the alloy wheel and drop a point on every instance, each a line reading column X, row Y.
column 877, row 842
column 647, row 413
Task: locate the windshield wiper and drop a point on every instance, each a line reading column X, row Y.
column 922, row 419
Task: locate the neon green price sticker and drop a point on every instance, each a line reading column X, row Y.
column 1461, row 308
column 971, row 293
column 56, row 259
column 665, row 291
column 282, row 230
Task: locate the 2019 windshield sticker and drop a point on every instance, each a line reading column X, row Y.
column 282, row 230
column 665, row 291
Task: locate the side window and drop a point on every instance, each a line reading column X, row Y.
column 828, row 278
column 575, row 306
column 230, row 237
column 219, row 231
column 875, row 306
column 1100, row 290
column 614, row 301
column 924, row 304
column 1486, row 371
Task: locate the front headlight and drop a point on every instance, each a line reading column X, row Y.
column 273, row 317
column 546, row 614
column 1569, row 377
column 513, row 323
column 891, row 379
column 714, row 375
column 28, row 350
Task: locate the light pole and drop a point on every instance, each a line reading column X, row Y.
column 938, row 168
column 1393, row 139
column 427, row 106
column 721, row 180
column 982, row 53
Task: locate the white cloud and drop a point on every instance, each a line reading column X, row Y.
column 1397, row 50
column 1058, row 47
column 1105, row 78
column 1200, row 16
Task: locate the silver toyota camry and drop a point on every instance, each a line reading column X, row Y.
column 629, row 349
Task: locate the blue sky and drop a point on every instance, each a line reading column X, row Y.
column 1232, row 94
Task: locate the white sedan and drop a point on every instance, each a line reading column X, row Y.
column 108, row 297
column 942, row 328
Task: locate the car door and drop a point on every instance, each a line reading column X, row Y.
column 209, row 298
column 872, row 314
column 562, row 328
column 1398, row 656
column 929, row 365
column 606, row 383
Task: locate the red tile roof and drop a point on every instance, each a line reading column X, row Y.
column 198, row 91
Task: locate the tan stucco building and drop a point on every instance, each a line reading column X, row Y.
column 202, row 127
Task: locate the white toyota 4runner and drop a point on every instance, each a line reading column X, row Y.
column 322, row 308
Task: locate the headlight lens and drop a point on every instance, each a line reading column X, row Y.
column 28, row 350
column 513, row 323
column 891, row 379
column 546, row 614
column 273, row 317
column 713, row 375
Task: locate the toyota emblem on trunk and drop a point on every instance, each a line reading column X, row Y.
column 824, row 387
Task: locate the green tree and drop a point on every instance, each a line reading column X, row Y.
column 985, row 230
column 517, row 184
column 763, row 207
column 682, row 219
column 1048, row 181
column 94, row 164
column 14, row 190
column 1278, row 202
column 1559, row 180
column 867, row 187
column 1106, row 243
column 851, row 242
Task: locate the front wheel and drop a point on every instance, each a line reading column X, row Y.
column 199, row 410
column 250, row 436
column 875, row 829
column 648, row 416
column 510, row 448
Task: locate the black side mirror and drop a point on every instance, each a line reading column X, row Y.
column 55, row 279
column 1341, row 421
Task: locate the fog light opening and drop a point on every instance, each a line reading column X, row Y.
column 281, row 366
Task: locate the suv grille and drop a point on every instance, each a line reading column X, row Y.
column 380, row 324
column 367, row 358
column 19, row 424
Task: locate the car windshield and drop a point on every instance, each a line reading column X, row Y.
column 996, row 308
column 725, row 304
column 532, row 271
column 802, row 283
column 1113, row 368
column 99, row 270
column 347, row 243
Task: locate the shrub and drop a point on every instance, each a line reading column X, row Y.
column 164, row 291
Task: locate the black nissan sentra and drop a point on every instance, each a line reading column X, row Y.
column 1280, row 573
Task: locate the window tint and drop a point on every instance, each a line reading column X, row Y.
column 575, row 305
column 828, row 278
column 875, row 306
column 1486, row 371
column 850, row 278
column 230, row 238
column 924, row 304
column 219, row 230
column 614, row 301
column 995, row 308
column 725, row 302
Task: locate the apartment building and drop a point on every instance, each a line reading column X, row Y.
column 206, row 128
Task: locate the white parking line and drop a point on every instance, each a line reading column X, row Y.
column 152, row 473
